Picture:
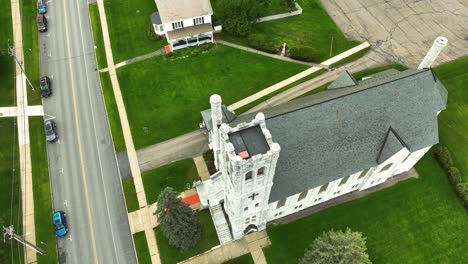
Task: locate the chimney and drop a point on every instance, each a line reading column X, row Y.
column 439, row 44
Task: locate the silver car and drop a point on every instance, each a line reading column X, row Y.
column 51, row 131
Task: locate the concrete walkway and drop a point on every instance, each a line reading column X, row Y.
column 202, row 169
column 252, row 243
column 29, row 230
column 136, row 59
column 146, row 212
column 34, row 110
column 279, row 57
column 296, row 77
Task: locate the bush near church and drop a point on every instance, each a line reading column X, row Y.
column 337, row 247
column 178, row 221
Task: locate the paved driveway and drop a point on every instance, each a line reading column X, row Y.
column 403, row 30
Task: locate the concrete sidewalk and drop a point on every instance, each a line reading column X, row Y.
column 136, row 59
column 132, row 155
column 34, row 110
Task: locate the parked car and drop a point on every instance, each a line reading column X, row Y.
column 51, row 131
column 41, row 6
column 41, row 22
column 60, row 223
column 46, row 87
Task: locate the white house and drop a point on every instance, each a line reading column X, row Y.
column 292, row 156
column 184, row 22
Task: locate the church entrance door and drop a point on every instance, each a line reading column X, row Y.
column 250, row 228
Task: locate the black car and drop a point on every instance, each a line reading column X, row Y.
column 41, row 22
column 46, row 87
column 51, row 131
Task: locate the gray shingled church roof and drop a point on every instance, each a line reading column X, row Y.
column 332, row 134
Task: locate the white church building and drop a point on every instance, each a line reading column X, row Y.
column 292, row 156
column 184, row 23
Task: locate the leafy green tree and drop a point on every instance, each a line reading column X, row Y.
column 238, row 16
column 178, row 221
column 337, row 247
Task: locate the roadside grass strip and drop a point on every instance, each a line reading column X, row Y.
column 45, row 236
column 97, row 36
column 7, row 74
column 209, row 239
column 10, row 190
column 31, row 49
column 141, row 247
column 163, row 97
column 131, row 198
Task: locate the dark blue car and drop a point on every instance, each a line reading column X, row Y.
column 60, row 223
column 41, row 7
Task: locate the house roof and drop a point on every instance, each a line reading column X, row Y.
column 189, row 31
column 344, row 80
column 332, row 134
column 175, row 10
column 155, row 18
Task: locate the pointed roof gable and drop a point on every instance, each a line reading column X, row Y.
column 392, row 144
column 344, row 80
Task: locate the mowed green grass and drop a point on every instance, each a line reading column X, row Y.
column 31, row 49
column 209, row 239
column 128, row 22
column 97, row 36
column 244, row 259
column 453, row 121
column 131, row 198
column 313, row 28
column 177, row 175
column 163, row 97
column 276, row 7
column 7, row 72
column 42, row 195
column 416, row 221
column 141, row 247
column 112, row 112
column 10, row 190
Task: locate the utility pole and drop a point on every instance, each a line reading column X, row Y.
column 9, row 231
column 12, row 52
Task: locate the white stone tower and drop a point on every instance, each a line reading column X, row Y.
column 439, row 44
column 216, row 119
column 246, row 156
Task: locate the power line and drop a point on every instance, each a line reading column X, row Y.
column 12, row 52
column 9, row 231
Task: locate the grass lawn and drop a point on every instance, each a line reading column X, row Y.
column 141, row 247
column 130, row 20
column 177, row 175
column 417, row 221
column 453, row 121
column 130, row 194
column 276, row 7
column 244, row 259
column 209, row 239
column 163, row 97
column 42, row 195
column 97, row 36
column 7, row 74
column 112, row 112
column 31, row 49
column 313, row 28
column 10, row 190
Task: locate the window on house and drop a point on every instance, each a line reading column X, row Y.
column 303, row 195
column 281, row 203
column 178, row 24
column 363, row 173
column 406, row 158
column 256, row 205
column 161, row 28
column 198, row 20
column 386, row 167
column 344, row 180
column 261, row 171
column 246, row 208
column 323, row 188
column 248, row 176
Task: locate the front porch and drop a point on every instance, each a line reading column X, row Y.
column 190, row 36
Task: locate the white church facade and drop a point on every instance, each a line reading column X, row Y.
column 299, row 154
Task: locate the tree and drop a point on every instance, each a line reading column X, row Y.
column 337, row 247
column 178, row 221
column 238, row 16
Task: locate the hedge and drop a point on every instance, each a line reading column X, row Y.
column 454, row 175
column 443, row 156
column 462, row 191
column 262, row 43
column 304, row 54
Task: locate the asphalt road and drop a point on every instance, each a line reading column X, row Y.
column 83, row 168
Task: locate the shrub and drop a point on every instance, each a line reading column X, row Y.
column 462, row 191
column 454, row 175
column 239, row 15
column 442, row 155
column 263, row 43
column 290, row 4
column 304, row 54
column 150, row 34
